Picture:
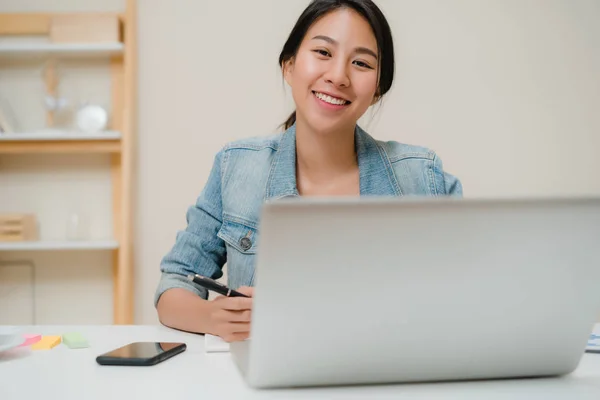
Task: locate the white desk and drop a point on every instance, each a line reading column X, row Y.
column 67, row 374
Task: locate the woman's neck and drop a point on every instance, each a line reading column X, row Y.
column 324, row 157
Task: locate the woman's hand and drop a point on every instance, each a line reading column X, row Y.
column 230, row 316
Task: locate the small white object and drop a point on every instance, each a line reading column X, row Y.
column 8, row 342
column 55, row 103
column 8, row 330
column 214, row 344
column 75, row 227
column 92, row 119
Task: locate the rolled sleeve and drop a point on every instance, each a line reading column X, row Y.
column 171, row 281
column 446, row 184
column 453, row 185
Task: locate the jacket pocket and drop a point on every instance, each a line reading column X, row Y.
column 238, row 234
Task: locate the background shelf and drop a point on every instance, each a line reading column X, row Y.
column 57, row 141
column 59, row 245
column 53, row 135
column 32, row 46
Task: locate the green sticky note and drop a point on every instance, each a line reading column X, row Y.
column 74, row 340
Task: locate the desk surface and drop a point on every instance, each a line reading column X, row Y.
column 67, row 374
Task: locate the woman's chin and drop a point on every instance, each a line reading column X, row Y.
column 328, row 126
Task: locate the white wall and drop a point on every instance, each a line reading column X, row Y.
column 506, row 91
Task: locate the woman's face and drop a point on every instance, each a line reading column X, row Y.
column 334, row 74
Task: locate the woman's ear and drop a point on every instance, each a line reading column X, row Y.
column 288, row 69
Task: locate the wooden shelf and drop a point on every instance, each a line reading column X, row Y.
column 56, row 141
column 61, row 147
column 55, row 134
column 42, row 46
column 59, row 245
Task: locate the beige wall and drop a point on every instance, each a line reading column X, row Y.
column 506, row 91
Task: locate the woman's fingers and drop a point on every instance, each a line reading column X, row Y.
column 234, row 316
column 240, row 316
column 247, row 290
column 233, row 329
column 236, row 303
column 240, row 327
column 236, row 337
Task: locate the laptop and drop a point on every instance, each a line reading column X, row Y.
column 380, row 290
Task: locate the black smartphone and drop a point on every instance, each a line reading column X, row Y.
column 141, row 354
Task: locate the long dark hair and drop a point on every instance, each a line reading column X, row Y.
column 368, row 10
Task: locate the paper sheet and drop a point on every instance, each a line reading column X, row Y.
column 594, row 342
column 214, row 344
column 75, row 340
column 47, row 343
column 30, row 340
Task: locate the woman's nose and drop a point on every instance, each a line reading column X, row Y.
column 337, row 75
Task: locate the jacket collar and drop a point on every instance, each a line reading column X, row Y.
column 377, row 178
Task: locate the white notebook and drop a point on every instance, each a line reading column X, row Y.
column 214, row 344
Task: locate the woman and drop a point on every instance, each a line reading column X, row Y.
column 338, row 61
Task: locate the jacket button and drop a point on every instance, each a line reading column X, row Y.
column 245, row 243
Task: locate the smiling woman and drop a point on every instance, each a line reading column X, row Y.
column 338, row 61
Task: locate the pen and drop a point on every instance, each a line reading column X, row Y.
column 214, row 286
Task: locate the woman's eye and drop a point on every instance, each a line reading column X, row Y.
column 322, row 52
column 362, row 64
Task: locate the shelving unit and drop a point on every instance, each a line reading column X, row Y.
column 27, row 35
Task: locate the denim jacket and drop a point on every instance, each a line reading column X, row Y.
column 223, row 224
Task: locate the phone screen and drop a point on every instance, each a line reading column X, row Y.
column 141, row 352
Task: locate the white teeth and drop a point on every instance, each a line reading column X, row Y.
column 330, row 100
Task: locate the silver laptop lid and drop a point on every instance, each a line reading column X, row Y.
column 393, row 290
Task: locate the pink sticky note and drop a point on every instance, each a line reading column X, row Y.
column 31, row 339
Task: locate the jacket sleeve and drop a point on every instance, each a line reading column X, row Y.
column 446, row 184
column 197, row 249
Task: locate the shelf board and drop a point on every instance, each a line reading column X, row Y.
column 59, row 245
column 58, row 141
column 56, row 134
column 33, row 46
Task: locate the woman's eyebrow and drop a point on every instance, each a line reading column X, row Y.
column 326, row 39
column 365, row 50
column 358, row 50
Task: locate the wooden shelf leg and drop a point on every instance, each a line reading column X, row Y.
column 124, row 105
column 124, row 114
